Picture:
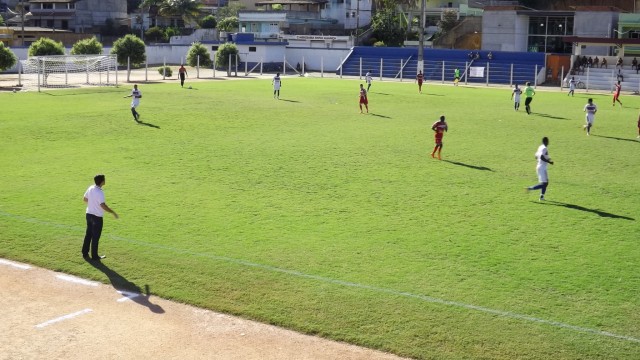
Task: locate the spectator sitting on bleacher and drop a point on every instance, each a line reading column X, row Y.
column 590, row 62
column 604, row 63
column 584, row 61
column 596, row 62
column 620, row 76
column 634, row 63
column 619, row 62
column 490, row 55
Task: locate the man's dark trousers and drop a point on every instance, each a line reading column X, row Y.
column 92, row 236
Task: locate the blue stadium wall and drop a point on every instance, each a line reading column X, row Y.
column 499, row 66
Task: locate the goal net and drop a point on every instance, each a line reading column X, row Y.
column 65, row 71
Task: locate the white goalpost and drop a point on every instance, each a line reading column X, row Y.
column 67, row 71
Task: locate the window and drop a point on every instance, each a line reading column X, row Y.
column 347, row 15
column 64, row 24
column 252, row 49
column 546, row 32
column 72, row 5
column 46, row 6
column 214, row 48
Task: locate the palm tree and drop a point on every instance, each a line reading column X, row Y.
column 188, row 10
column 152, row 7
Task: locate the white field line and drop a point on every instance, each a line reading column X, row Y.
column 65, row 317
column 76, row 280
column 15, row 264
column 424, row 298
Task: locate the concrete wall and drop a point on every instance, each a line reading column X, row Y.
column 594, row 24
column 176, row 54
column 95, row 12
column 500, row 31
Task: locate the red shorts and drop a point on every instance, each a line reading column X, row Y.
column 439, row 138
column 615, row 96
column 364, row 101
column 419, row 82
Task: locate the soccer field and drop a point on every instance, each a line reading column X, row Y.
column 303, row 213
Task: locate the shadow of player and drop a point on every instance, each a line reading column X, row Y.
column 119, row 282
column 582, row 208
column 616, row 138
column 468, row 166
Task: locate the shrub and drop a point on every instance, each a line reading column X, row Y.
column 208, row 22
column 46, row 46
column 7, row 57
column 154, row 34
column 222, row 56
column 87, row 47
column 165, row 70
column 228, row 24
column 129, row 47
column 197, row 49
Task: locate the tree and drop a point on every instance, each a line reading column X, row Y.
column 87, row 47
column 228, row 24
column 222, row 56
column 387, row 29
column 154, row 34
column 46, row 46
column 152, row 8
column 188, row 10
column 208, row 22
column 229, row 11
column 197, row 49
column 449, row 21
column 7, row 57
column 129, row 47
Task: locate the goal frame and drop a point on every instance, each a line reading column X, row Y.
column 68, row 70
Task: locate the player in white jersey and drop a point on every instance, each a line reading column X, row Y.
column 591, row 110
column 515, row 95
column 277, row 83
column 368, row 79
column 136, row 95
column 572, row 86
column 542, row 155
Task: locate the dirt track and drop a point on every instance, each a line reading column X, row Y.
column 48, row 315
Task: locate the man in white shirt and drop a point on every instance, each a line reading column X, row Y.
column 542, row 155
column 96, row 206
column 136, row 95
column 591, row 110
column 277, row 84
column 572, row 86
column 368, row 79
column 515, row 95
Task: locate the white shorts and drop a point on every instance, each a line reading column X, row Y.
column 590, row 118
column 542, row 174
column 135, row 103
column 276, row 87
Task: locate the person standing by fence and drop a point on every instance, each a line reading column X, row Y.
column 368, row 78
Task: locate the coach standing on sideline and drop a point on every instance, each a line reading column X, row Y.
column 96, row 206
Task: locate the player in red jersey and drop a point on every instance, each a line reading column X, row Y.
column 420, row 79
column 439, row 127
column 616, row 93
column 363, row 99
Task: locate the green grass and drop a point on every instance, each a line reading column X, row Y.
column 305, row 214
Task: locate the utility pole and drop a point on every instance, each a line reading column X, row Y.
column 357, row 22
column 421, row 41
column 22, row 22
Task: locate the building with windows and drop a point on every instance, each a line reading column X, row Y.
column 516, row 28
column 80, row 16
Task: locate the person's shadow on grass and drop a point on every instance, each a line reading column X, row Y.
column 120, row 283
column 582, row 208
column 616, row 138
column 550, row 116
column 469, row 166
column 148, row 124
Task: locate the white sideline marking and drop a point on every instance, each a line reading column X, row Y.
column 77, row 280
column 128, row 295
column 425, row 298
column 65, row 317
column 15, row 264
